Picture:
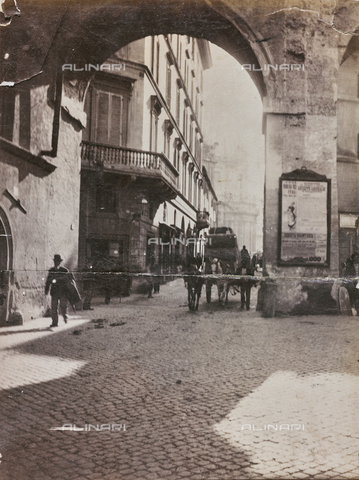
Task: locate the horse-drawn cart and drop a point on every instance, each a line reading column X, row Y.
column 225, row 267
column 221, row 257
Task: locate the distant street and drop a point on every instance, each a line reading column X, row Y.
column 217, row 394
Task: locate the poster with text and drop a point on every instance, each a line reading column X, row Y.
column 304, row 223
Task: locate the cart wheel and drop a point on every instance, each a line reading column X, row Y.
column 208, row 293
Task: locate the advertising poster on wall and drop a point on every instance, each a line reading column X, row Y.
column 304, row 222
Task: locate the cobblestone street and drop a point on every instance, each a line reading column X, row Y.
column 213, row 394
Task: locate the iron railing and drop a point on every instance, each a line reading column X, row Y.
column 128, row 160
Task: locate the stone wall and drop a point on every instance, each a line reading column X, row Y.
column 51, row 202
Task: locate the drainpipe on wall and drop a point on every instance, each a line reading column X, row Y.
column 56, row 122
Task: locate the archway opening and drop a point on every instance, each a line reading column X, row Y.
column 103, row 30
column 146, row 119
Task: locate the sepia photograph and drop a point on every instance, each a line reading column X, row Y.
column 179, row 239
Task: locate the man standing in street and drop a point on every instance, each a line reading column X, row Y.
column 156, row 270
column 245, row 258
column 56, row 282
column 88, row 285
column 245, row 269
column 150, row 278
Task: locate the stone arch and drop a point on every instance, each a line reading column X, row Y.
column 104, row 29
column 299, row 121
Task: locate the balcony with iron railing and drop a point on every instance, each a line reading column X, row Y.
column 129, row 161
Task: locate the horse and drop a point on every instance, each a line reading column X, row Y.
column 244, row 284
column 220, row 267
column 194, row 286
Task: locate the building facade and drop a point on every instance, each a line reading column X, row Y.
column 238, row 209
column 145, row 197
column 39, row 203
column 348, row 158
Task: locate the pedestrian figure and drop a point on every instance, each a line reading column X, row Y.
column 355, row 258
column 349, row 267
column 199, row 261
column 88, row 286
column 254, row 263
column 246, row 291
column 150, row 280
column 216, row 267
column 104, row 278
column 246, row 284
column 245, row 259
column 350, row 283
column 156, row 270
column 56, row 284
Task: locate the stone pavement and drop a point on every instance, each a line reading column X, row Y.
column 173, row 394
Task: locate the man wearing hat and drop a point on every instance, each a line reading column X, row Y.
column 56, row 282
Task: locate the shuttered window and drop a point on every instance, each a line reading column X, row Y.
column 102, row 124
column 111, row 119
column 116, row 120
column 107, row 115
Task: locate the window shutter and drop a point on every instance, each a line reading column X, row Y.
column 116, row 121
column 102, row 117
column 87, row 108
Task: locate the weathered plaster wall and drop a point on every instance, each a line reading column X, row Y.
column 52, row 204
column 29, row 232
